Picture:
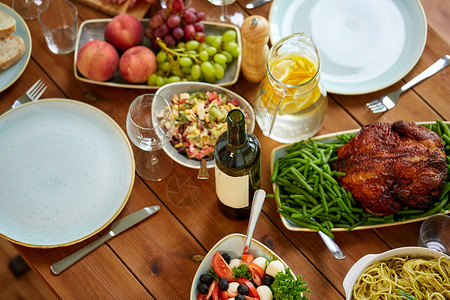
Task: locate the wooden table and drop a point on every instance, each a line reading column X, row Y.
column 157, row 258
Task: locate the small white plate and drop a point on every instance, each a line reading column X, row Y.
column 364, row 46
column 167, row 92
column 95, row 29
column 10, row 75
column 67, row 172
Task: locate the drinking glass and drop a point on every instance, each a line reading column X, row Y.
column 150, row 126
column 28, row 9
column 435, row 233
column 59, row 24
column 225, row 13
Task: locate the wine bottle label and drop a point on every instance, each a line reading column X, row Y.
column 232, row 191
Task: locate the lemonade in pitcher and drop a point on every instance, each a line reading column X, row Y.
column 291, row 104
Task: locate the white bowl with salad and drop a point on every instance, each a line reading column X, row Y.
column 227, row 273
column 200, row 111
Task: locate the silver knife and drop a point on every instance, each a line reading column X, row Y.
column 256, row 3
column 116, row 228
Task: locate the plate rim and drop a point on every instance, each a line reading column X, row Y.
column 27, row 39
column 339, row 229
column 349, row 91
column 81, row 78
column 132, row 171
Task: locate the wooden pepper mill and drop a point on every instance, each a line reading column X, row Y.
column 255, row 35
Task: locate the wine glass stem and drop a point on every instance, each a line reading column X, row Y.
column 224, row 16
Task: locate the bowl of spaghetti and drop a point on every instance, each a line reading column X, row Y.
column 401, row 273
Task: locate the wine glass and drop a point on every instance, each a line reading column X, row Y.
column 150, row 126
column 225, row 13
column 29, row 9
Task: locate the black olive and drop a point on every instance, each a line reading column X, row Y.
column 223, row 284
column 206, row 278
column 239, row 297
column 267, row 280
column 226, row 257
column 202, row 288
column 242, row 289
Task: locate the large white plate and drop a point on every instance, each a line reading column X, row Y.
column 10, row 75
column 364, row 45
column 67, row 172
column 95, row 29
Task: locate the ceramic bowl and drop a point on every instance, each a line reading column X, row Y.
column 167, row 91
column 233, row 245
column 362, row 264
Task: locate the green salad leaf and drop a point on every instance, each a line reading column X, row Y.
column 406, row 295
column 242, row 271
column 288, row 287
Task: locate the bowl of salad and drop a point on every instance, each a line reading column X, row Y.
column 227, row 273
column 200, row 110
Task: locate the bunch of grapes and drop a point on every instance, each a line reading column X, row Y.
column 194, row 60
column 176, row 23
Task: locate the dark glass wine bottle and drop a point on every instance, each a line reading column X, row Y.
column 237, row 155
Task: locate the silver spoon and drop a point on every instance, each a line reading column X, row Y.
column 331, row 245
column 258, row 201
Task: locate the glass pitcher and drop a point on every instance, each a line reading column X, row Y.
column 291, row 103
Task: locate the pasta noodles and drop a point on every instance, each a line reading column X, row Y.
column 399, row 276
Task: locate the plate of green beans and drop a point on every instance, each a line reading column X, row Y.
column 309, row 197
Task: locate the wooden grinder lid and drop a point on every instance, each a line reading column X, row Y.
column 255, row 29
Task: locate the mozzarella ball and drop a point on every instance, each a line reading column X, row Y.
column 232, row 287
column 260, row 261
column 274, row 267
column 235, row 262
column 264, row 292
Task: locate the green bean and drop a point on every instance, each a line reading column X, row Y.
column 273, row 177
column 300, row 179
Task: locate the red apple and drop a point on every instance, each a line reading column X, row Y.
column 137, row 64
column 97, row 60
column 124, row 31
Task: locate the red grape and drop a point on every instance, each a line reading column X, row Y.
column 190, row 9
column 189, row 18
column 170, row 40
column 199, row 27
column 155, row 21
column 199, row 37
column 177, row 6
column 178, row 33
column 189, row 32
column 164, row 29
column 200, row 16
column 173, row 21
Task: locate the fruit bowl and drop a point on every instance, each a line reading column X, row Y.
column 167, row 91
column 233, row 245
column 94, row 30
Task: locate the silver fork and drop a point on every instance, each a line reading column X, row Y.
column 32, row 94
column 389, row 100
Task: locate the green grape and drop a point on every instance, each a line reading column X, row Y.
column 191, row 52
column 161, row 56
column 196, row 72
column 209, row 39
column 224, row 66
column 220, row 58
column 184, row 79
column 203, row 55
column 236, row 52
column 172, row 79
column 192, row 45
column 208, row 69
column 186, row 70
column 165, row 66
column 229, row 36
column 165, row 80
column 202, row 46
column 217, row 41
column 185, row 61
column 181, row 45
column 152, row 79
column 159, row 72
column 228, row 56
column 177, row 71
column 210, row 79
column 211, row 50
column 220, row 71
column 159, row 80
column 231, row 47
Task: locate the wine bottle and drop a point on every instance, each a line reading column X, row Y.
column 237, row 156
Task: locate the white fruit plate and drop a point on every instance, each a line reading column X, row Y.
column 94, row 30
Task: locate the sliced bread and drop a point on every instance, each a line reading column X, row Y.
column 7, row 24
column 11, row 50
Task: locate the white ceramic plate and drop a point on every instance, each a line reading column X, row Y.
column 167, row 92
column 329, row 138
column 67, row 172
column 233, row 245
column 10, row 75
column 94, row 30
column 364, row 45
column 363, row 263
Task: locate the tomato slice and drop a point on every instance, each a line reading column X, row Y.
column 221, row 267
column 247, row 258
column 227, row 295
column 257, row 273
column 215, row 291
column 251, row 288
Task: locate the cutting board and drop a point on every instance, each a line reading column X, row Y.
column 139, row 10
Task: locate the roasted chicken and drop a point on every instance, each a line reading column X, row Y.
column 391, row 165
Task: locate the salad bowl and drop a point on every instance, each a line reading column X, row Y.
column 169, row 90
